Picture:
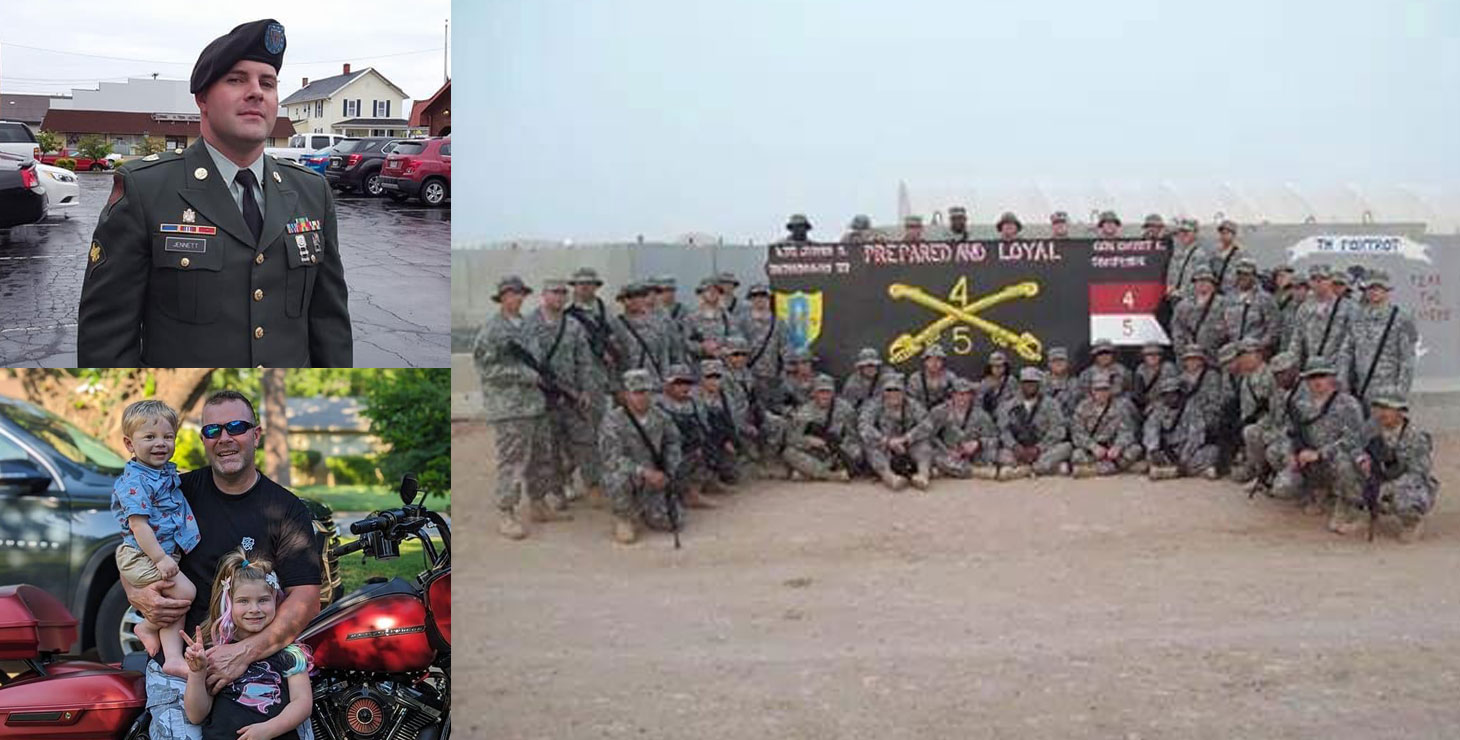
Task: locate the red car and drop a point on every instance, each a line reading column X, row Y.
column 83, row 162
column 419, row 168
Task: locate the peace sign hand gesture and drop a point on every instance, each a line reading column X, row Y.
column 195, row 655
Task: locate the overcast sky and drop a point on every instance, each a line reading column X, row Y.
column 165, row 37
column 602, row 120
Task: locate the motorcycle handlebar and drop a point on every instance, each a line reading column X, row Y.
column 381, row 521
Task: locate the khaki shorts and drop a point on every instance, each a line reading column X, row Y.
column 136, row 567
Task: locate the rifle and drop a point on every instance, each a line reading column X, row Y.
column 1383, row 467
column 990, row 400
column 721, row 431
column 547, row 378
column 1223, row 431
column 600, row 342
column 1163, row 432
column 657, row 456
column 822, row 431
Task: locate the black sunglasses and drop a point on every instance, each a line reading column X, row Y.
column 234, row 428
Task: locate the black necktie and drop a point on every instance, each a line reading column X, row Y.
column 251, row 214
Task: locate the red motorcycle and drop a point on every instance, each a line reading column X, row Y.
column 382, row 653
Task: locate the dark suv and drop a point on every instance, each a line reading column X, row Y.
column 57, row 529
column 355, row 164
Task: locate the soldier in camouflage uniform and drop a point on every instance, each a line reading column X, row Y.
column 1187, row 254
column 1059, row 225
column 737, row 308
column 1398, row 457
column 766, row 337
column 1107, row 226
column 672, row 313
column 1175, row 435
column 799, row 228
column 1326, row 425
column 1198, row 319
column 1324, row 324
column 563, row 348
column 727, row 419
column 1059, row 385
column 912, row 228
column 706, row 327
column 1249, row 311
column 997, row 386
column 1153, row 369
column 964, row 437
column 890, row 429
column 933, row 382
column 1103, row 432
column 678, row 402
column 599, row 376
column 859, row 231
column 1203, row 382
column 1391, row 354
column 641, row 338
column 864, row 382
column 1226, row 256
column 638, row 467
column 796, row 383
column 1289, row 302
column 739, row 385
column 1254, row 391
column 516, row 408
column 1033, row 432
column 1154, row 227
column 1103, row 362
column 1266, row 440
column 822, row 437
column 957, row 230
column 1008, row 226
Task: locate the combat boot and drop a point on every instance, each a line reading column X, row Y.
column 893, row 480
column 1083, row 470
column 595, row 497
column 797, row 475
column 841, row 476
column 1063, row 469
column 540, row 512
column 1243, row 474
column 920, row 481
column 1015, row 472
column 1140, row 467
column 1410, row 530
column 509, row 526
column 1344, row 519
column 1210, row 473
column 624, row 531
column 556, row 501
column 1163, row 472
column 695, row 500
column 985, row 472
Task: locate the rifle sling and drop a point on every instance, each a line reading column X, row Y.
column 643, row 346
column 1328, row 327
column 655, row 453
column 1378, row 351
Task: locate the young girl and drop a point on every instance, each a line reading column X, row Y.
column 273, row 696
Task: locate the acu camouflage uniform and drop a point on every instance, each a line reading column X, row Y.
column 1050, row 430
column 1106, row 425
column 1183, row 262
column 1325, row 328
column 564, row 348
column 930, row 390
column 516, row 408
column 1407, row 488
column 1177, row 437
column 812, row 460
column 1394, row 370
column 626, row 458
column 1335, row 429
column 1251, row 314
column 948, row 427
column 878, row 423
column 767, row 342
column 1197, row 322
column 643, row 341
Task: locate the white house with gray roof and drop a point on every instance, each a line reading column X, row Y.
column 354, row 103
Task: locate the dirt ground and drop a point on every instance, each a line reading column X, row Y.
column 1112, row 608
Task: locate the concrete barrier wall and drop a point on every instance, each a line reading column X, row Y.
column 1429, row 288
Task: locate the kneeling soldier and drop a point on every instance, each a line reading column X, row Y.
column 1033, row 434
column 1326, row 426
column 1396, row 462
column 892, row 439
column 964, row 437
column 821, row 439
column 695, row 469
column 1175, row 435
column 1103, row 431
column 639, row 446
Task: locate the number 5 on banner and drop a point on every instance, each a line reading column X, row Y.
column 962, row 340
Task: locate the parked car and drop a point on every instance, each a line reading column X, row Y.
column 22, row 196
column 419, row 168
column 317, row 160
column 302, row 144
column 355, row 164
column 62, row 190
column 59, row 533
column 16, row 138
column 83, row 162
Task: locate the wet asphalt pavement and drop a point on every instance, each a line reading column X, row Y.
column 397, row 264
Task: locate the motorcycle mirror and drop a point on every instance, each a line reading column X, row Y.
column 408, row 488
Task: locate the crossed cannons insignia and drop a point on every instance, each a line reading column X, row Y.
column 906, row 346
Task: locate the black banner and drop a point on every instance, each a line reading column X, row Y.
column 1023, row 296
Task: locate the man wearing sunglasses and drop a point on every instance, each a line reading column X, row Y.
column 235, row 506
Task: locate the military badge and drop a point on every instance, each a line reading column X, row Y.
column 274, row 38
column 802, row 313
column 303, row 247
column 189, row 216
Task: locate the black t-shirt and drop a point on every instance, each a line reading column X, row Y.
column 276, row 520
column 259, row 695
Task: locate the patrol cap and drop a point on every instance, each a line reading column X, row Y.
column 1390, row 398
column 735, row 344
column 964, row 385
column 1185, row 224
column 1299, row 280
column 1108, row 216
column 934, row 350
column 1031, row 375
column 1059, row 217
column 728, row 278
column 798, row 354
column 1282, row 361
column 679, row 373
column 1319, row 271
column 711, row 367
column 1008, row 217
column 510, row 282
column 707, row 284
column 1100, row 382
column 1203, row 273
column 1057, row 353
column 1153, row 219
column 1283, row 268
column 1227, row 224
column 957, row 211
column 893, row 383
column 1168, row 385
column 1249, row 344
column 824, row 382
column 798, row 220
column 1193, row 350
column 585, row 275
column 258, row 41
column 632, row 289
column 758, row 289
column 551, row 285
column 1247, row 264
column 638, row 380
column 1101, row 345
column 1339, row 276
column 868, row 356
column 1318, row 366
column 1377, row 279
column 1153, row 348
column 666, row 282
column 860, row 222
column 912, row 221
column 1227, row 353
column 998, row 358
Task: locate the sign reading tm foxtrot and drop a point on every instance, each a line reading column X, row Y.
column 1021, row 296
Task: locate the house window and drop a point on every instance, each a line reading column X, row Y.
column 352, row 108
column 319, row 109
column 380, row 109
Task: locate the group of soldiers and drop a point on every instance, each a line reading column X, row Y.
column 1294, row 384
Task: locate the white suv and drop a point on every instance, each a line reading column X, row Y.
column 16, row 138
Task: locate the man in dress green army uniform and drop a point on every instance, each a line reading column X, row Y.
column 219, row 255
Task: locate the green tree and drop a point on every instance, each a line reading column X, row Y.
column 94, row 146
column 50, row 141
column 410, row 411
column 151, row 145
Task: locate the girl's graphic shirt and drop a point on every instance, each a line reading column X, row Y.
column 259, row 695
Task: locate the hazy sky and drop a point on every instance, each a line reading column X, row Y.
column 87, row 41
column 602, row 120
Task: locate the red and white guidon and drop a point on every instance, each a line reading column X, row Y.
column 1125, row 313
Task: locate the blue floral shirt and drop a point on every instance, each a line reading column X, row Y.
column 156, row 494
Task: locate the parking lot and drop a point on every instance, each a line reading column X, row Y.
column 397, row 264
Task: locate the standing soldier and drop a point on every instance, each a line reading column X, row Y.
column 1008, row 226
column 639, row 446
column 1059, row 225
column 1108, row 225
column 1250, row 313
column 515, row 406
column 1289, row 302
column 1033, row 433
column 1325, row 323
column 695, row 463
column 1198, row 319
column 218, row 254
column 1154, row 227
column 1103, row 433
column 599, row 375
column 859, row 231
column 933, row 382
column 865, row 380
column 1187, row 255
column 639, row 337
column 564, row 354
column 1396, row 459
column 1326, row 425
column 1227, row 254
column 995, row 387
column 958, row 224
column 1153, row 369
column 799, row 228
column 912, row 228
column 964, row 437
column 822, row 442
column 1059, row 385
column 892, row 438
column 1384, row 340
column 1175, row 436
column 671, row 313
column 704, row 329
column 767, row 338
column 1102, row 362
column 728, row 301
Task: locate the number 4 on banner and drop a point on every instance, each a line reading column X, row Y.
column 959, row 294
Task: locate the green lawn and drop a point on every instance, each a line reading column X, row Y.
column 366, row 498
column 411, row 562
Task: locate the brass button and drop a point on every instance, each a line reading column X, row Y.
column 258, row 294
column 258, row 332
column 259, row 259
column 184, row 262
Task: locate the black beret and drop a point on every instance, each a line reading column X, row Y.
column 259, row 41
